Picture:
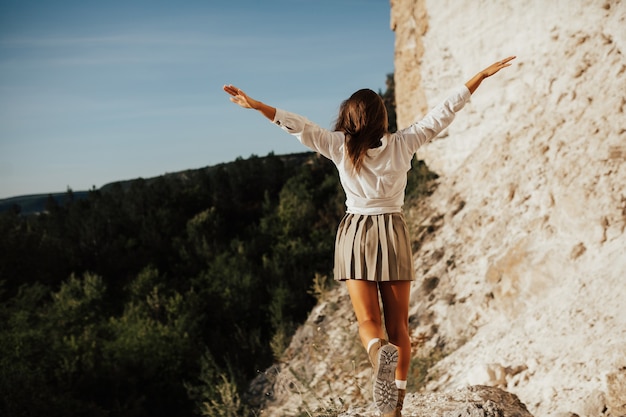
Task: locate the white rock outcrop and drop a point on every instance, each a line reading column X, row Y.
column 529, row 250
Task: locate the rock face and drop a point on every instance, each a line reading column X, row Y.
column 520, row 252
column 529, row 249
column 474, row 401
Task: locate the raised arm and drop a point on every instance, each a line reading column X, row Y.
column 239, row 97
column 475, row 81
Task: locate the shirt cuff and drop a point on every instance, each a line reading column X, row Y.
column 461, row 96
column 289, row 122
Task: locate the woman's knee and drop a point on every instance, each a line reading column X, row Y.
column 371, row 321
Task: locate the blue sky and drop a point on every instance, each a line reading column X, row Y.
column 93, row 92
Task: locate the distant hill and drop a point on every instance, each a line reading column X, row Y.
column 36, row 203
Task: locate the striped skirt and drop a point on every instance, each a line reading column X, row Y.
column 374, row 248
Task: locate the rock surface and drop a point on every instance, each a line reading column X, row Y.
column 520, row 252
column 529, row 251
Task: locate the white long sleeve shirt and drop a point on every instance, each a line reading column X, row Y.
column 380, row 185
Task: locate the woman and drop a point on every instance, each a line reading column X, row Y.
column 372, row 249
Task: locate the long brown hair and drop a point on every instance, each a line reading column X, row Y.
column 363, row 119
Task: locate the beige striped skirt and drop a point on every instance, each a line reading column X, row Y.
column 373, row 248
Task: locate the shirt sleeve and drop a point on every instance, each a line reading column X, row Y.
column 323, row 141
column 436, row 120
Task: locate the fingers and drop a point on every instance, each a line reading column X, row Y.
column 235, row 92
column 232, row 90
column 504, row 63
column 497, row 66
column 237, row 96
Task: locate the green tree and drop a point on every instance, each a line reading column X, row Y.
column 389, row 98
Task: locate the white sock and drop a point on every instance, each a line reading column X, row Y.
column 371, row 343
column 400, row 384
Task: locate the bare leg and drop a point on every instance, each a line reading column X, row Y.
column 364, row 297
column 395, row 296
column 365, row 301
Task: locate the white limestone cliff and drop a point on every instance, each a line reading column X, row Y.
column 531, row 249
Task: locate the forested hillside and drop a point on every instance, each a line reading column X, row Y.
column 142, row 298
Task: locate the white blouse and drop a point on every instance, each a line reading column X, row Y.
column 380, row 185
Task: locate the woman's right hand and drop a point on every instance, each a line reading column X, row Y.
column 497, row 66
column 473, row 83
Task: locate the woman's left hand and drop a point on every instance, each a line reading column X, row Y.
column 239, row 97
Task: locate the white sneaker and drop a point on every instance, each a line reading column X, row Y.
column 385, row 359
